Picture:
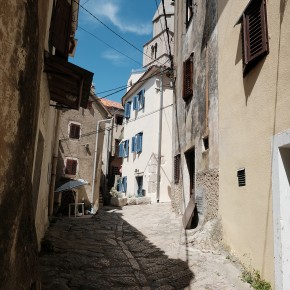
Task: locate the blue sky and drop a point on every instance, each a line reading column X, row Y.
column 132, row 19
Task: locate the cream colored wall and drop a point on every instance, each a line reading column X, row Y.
column 251, row 111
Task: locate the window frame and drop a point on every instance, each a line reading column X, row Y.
column 255, row 43
column 176, row 168
column 73, row 133
column 71, row 166
column 188, row 78
column 189, row 12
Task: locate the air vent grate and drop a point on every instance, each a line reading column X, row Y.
column 241, row 174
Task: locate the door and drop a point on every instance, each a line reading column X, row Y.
column 190, row 161
column 139, row 180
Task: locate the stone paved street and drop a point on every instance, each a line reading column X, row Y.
column 137, row 247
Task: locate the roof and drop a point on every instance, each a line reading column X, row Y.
column 150, row 72
column 111, row 104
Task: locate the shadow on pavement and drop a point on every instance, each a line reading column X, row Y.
column 105, row 252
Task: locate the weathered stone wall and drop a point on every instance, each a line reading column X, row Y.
column 207, row 194
column 197, row 117
column 21, row 65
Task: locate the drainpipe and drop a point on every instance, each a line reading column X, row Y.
column 54, row 164
column 95, row 161
column 159, row 137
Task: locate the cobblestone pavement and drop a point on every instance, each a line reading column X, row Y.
column 137, row 247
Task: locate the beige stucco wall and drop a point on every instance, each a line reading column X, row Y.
column 251, row 111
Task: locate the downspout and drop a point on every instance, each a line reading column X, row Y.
column 95, row 162
column 54, row 164
column 159, row 137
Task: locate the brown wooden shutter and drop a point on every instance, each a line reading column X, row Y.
column 61, row 26
column 71, row 167
column 176, row 168
column 255, row 33
column 187, row 78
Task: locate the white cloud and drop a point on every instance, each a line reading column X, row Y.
column 110, row 9
column 114, row 57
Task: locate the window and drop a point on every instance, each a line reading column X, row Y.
column 118, row 120
column 117, row 144
column 188, row 78
column 124, row 149
column 122, row 184
column 189, row 11
column 176, row 168
column 138, row 101
column 71, row 166
column 127, row 112
column 254, row 34
column 74, row 131
column 137, row 143
column 115, row 170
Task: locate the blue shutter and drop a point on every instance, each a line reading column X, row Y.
column 119, row 184
column 126, row 148
column 124, row 183
column 141, row 99
column 121, row 149
column 135, row 102
column 127, row 110
column 133, row 147
column 139, row 142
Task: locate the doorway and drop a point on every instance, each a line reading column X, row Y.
column 190, row 162
column 139, row 180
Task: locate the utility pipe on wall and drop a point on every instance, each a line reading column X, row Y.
column 95, row 160
column 54, row 164
column 159, row 137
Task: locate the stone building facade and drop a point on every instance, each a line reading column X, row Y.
column 29, row 54
column 195, row 116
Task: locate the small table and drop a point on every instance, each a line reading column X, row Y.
column 76, row 206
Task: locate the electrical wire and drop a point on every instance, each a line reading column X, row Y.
column 99, row 39
column 128, row 86
column 114, row 32
column 115, row 126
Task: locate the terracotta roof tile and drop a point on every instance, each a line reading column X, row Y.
column 110, row 104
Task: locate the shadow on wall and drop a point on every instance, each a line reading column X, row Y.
column 105, row 252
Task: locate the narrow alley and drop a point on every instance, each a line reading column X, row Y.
column 136, row 247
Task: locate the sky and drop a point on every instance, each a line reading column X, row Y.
column 132, row 20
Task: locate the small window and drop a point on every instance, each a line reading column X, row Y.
column 139, row 100
column 205, row 143
column 254, row 34
column 124, row 149
column 115, row 170
column 176, row 168
column 118, row 120
column 71, row 166
column 189, row 11
column 74, row 131
column 122, row 184
column 188, row 78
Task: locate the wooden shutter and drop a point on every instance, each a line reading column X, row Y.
column 254, row 33
column 61, row 26
column 176, row 168
column 187, row 78
column 71, row 167
column 74, row 131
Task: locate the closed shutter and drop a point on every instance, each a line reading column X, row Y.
column 187, row 78
column 71, row 167
column 139, row 142
column 124, row 184
column 135, row 103
column 133, row 147
column 121, row 149
column 254, row 33
column 126, row 148
column 61, row 26
column 127, row 110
